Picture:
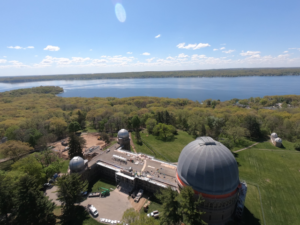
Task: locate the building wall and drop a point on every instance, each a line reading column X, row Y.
column 125, row 142
column 218, row 211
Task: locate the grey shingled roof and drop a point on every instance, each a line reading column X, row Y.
column 208, row 167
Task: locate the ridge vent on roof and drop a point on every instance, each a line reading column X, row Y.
column 208, row 143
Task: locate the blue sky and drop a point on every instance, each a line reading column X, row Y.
column 88, row 36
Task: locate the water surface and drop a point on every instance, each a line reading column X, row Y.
column 191, row 88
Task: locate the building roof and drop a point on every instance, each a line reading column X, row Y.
column 274, row 135
column 76, row 164
column 208, row 167
column 278, row 140
column 123, row 133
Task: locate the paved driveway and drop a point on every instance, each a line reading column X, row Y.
column 111, row 207
column 51, row 193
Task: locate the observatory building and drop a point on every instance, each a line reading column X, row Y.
column 212, row 171
column 124, row 139
column 78, row 165
column 276, row 140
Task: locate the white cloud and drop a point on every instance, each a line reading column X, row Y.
column 150, row 60
column 249, row 53
column 170, row 58
column 228, row 51
column 52, row 48
column 285, row 51
column 182, row 55
column 129, row 53
column 222, row 48
column 197, row 57
column 157, row 36
column 215, row 49
column 19, row 47
column 79, row 59
column 3, row 60
column 192, row 46
column 146, row 53
column 16, row 47
column 295, row 48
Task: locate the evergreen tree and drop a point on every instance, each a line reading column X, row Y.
column 69, row 189
column 32, row 206
column 253, row 126
column 74, row 126
column 7, row 195
column 76, row 145
column 170, row 207
column 189, row 206
column 203, row 130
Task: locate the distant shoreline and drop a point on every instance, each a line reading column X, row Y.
column 160, row 74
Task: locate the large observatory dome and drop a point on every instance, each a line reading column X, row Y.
column 208, row 167
column 76, row 164
column 123, row 133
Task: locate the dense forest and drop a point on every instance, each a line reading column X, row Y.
column 37, row 116
column 160, row 74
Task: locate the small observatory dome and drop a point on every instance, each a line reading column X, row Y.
column 274, row 135
column 278, row 140
column 208, row 167
column 76, row 164
column 123, row 133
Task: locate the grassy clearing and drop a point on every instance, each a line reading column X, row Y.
column 277, row 174
column 286, row 145
column 242, row 143
column 96, row 184
column 169, row 149
column 65, row 166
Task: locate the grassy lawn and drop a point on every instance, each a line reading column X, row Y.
column 277, row 174
column 286, row 145
column 155, row 205
column 243, row 143
column 65, row 166
column 169, row 149
column 95, row 185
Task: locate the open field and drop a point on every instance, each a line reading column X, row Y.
column 286, row 145
column 242, row 143
column 169, row 149
column 278, row 175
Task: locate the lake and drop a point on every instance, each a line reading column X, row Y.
column 191, row 88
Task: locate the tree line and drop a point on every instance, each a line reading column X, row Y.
column 161, row 74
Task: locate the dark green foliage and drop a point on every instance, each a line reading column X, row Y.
column 227, row 142
column 164, row 132
column 34, row 136
column 150, row 124
column 101, row 125
column 32, row 207
column 7, row 195
column 297, row 146
column 74, row 126
column 253, row 126
column 189, row 206
column 170, row 207
column 76, row 145
column 69, row 188
column 81, row 118
column 10, row 133
column 105, row 137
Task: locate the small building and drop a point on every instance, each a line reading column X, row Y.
column 80, row 166
column 276, row 141
column 124, row 139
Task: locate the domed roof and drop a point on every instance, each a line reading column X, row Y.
column 123, row 133
column 208, row 167
column 274, row 135
column 76, row 164
column 278, row 140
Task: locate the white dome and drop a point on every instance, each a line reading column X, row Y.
column 278, row 140
column 76, row 164
column 274, row 135
column 123, row 133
